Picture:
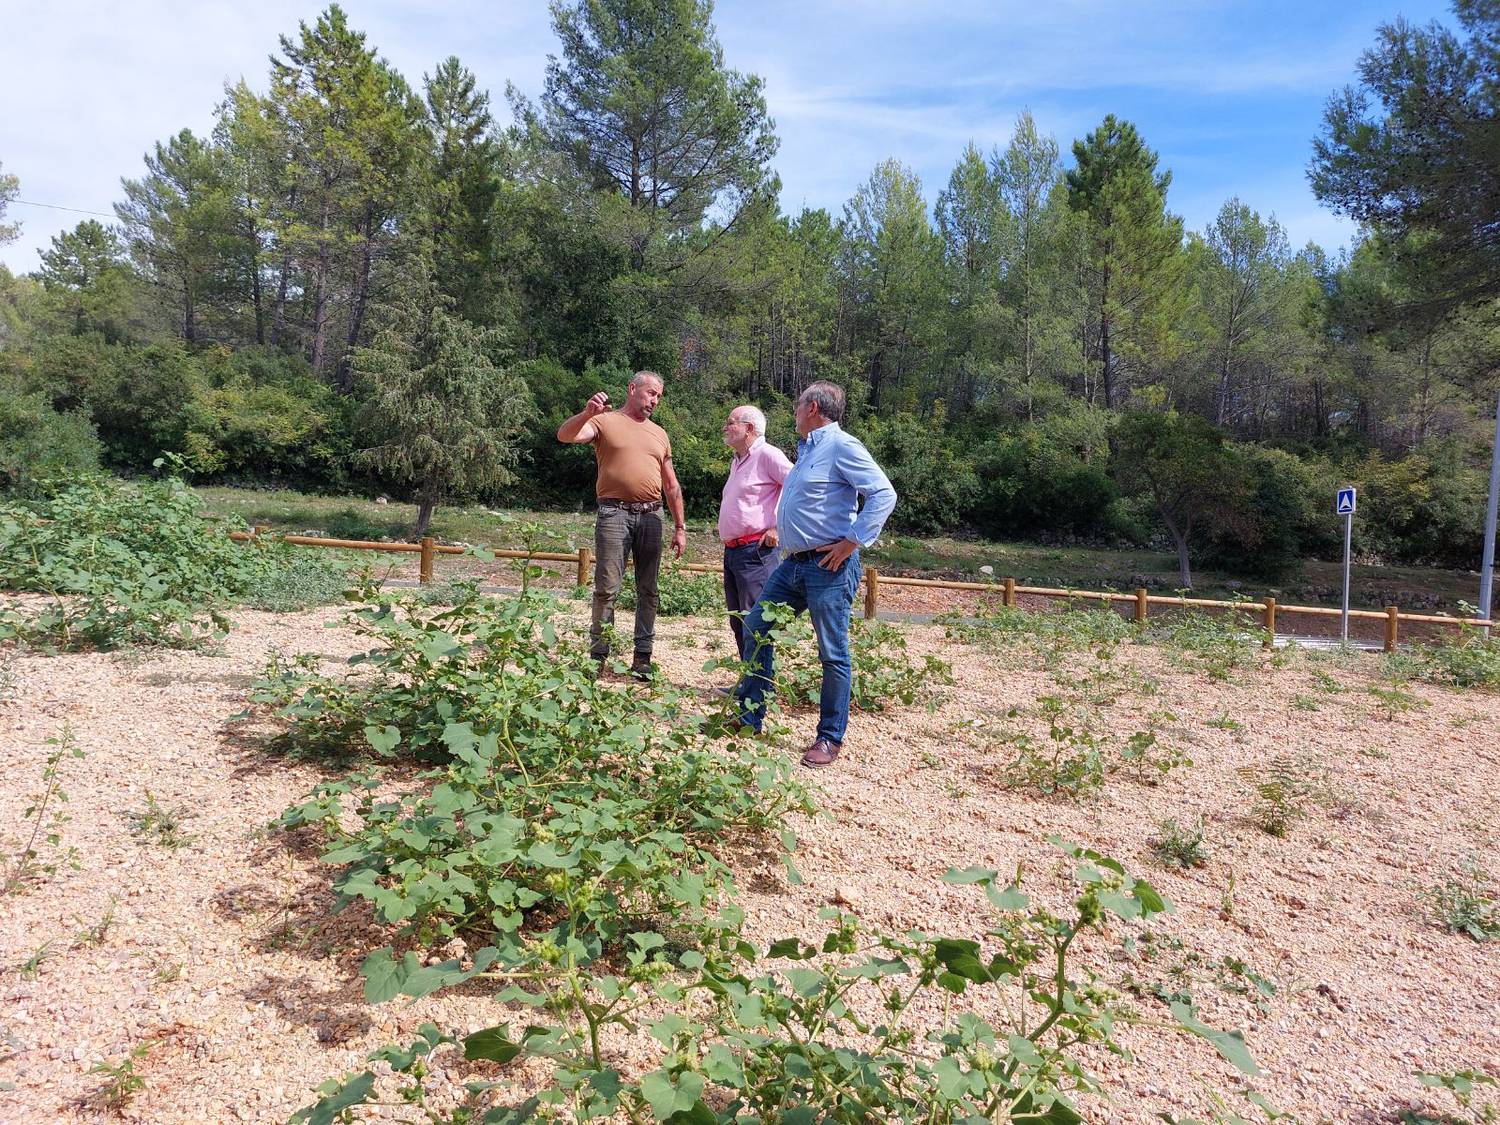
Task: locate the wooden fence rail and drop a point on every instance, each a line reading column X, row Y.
column 1141, row 600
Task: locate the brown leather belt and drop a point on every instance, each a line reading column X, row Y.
column 631, row 505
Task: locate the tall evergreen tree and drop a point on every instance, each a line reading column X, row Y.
column 1245, row 300
column 87, row 280
column 1415, row 149
column 642, row 102
column 975, row 230
column 1039, row 288
column 346, row 129
column 1132, row 244
column 442, row 414
column 892, row 266
column 182, row 226
column 460, row 190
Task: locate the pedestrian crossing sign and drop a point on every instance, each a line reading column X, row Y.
column 1345, row 506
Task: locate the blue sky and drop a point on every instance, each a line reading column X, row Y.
column 1230, row 94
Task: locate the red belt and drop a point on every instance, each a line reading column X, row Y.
column 744, row 540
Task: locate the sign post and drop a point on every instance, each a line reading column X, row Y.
column 1344, row 506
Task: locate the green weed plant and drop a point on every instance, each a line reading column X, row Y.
column 563, row 806
column 777, row 1035
column 31, row 863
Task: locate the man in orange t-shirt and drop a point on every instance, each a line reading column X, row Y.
column 635, row 476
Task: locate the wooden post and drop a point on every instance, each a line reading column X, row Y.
column 424, row 573
column 1140, row 605
column 1268, row 620
column 585, row 557
column 872, row 592
column 1392, row 624
column 1010, row 592
column 260, row 529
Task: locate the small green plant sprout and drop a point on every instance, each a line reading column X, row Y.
column 168, row 973
column 47, row 820
column 1226, row 899
column 1224, row 722
column 1465, row 903
column 121, row 1081
column 1284, row 789
column 1463, row 1085
column 1395, row 700
column 927, row 760
column 1305, row 703
column 157, row 824
column 32, row 966
column 97, row 932
column 1178, row 846
column 1326, row 682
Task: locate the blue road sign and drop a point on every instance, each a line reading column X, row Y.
column 1345, row 505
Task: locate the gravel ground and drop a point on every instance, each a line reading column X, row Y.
column 221, row 957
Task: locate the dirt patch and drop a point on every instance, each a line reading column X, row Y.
column 224, row 959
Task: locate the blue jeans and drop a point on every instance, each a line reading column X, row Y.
column 828, row 597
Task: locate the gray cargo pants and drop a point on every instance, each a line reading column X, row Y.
column 618, row 535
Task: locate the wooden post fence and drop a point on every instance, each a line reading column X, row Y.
column 583, row 558
column 1269, row 621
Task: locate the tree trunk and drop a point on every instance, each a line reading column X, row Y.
column 1183, row 571
column 361, row 295
column 426, row 502
column 320, row 297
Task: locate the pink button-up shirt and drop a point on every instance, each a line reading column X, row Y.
column 752, row 491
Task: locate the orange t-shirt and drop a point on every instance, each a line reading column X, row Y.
column 630, row 455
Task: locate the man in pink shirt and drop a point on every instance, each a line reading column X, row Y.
column 747, row 514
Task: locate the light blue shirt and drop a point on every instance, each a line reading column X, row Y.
column 820, row 498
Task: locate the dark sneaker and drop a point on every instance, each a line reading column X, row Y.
column 642, row 669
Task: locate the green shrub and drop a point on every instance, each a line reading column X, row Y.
column 297, row 578
column 884, row 673
column 749, row 1044
column 38, row 443
column 1216, row 644
column 560, row 795
column 1471, row 660
column 121, row 564
column 680, row 593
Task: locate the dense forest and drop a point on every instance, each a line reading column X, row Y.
column 357, row 282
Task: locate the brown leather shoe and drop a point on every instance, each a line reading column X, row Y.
column 821, row 753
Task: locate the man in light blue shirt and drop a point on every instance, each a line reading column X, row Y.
column 822, row 525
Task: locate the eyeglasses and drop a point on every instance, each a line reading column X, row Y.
column 735, row 422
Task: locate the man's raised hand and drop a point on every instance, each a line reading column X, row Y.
column 598, row 403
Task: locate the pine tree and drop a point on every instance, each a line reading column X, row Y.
column 1133, row 243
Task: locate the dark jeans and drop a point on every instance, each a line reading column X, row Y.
column 619, row 534
column 828, row 597
column 746, row 571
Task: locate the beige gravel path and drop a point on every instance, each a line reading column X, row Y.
column 221, row 957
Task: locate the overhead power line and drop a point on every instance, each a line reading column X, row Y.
column 60, row 207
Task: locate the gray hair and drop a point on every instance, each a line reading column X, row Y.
column 829, row 398
column 639, row 375
column 754, row 415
